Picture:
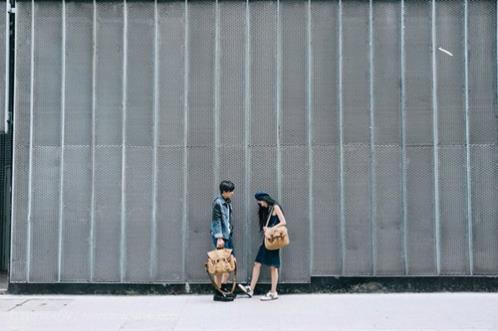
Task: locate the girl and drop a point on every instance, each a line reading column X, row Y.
column 269, row 258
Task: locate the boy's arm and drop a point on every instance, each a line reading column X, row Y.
column 216, row 221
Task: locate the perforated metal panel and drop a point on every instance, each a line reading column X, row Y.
column 325, row 129
column 373, row 122
column 4, row 65
column 78, row 115
column 106, row 246
column 386, row 170
column 22, row 155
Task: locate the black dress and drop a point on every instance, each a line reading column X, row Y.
column 265, row 256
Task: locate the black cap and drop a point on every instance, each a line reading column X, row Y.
column 261, row 195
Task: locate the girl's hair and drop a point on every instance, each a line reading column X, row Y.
column 264, row 211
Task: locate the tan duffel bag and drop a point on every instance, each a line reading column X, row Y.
column 221, row 261
column 276, row 237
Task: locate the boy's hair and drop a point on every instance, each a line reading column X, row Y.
column 226, row 186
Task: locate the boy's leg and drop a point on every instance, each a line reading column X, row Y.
column 218, row 279
column 228, row 244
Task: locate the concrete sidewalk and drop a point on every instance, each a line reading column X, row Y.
column 439, row 311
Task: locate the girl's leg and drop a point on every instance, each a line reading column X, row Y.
column 274, row 279
column 255, row 274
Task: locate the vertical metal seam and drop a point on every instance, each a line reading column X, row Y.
column 496, row 82
column 31, row 138
column 494, row 145
column 279, row 119
column 247, row 131
column 372, row 182
column 63, row 136
column 310, row 136
column 436, row 140
column 279, row 102
column 216, row 108
column 153, row 247
column 123, row 147
column 94, row 89
column 341, row 150
column 404, row 228
column 467, row 140
column 185, row 143
column 496, row 85
column 13, row 201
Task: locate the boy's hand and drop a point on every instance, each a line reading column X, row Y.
column 220, row 243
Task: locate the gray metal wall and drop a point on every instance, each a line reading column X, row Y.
column 373, row 122
column 4, row 60
column 5, row 198
column 5, row 141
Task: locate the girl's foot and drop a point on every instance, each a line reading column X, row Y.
column 246, row 289
column 270, row 296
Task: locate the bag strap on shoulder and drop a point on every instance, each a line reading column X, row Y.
column 269, row 217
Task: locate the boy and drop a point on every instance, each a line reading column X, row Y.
column 222, row 230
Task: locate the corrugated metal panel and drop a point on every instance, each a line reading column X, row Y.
column 374, row 122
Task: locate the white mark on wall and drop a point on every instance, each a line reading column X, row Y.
column 445, row 51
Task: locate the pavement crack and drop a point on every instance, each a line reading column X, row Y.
column 18, row 305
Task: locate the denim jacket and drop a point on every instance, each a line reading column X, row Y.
column 221, row 220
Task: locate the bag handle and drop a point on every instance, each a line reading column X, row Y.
column 269, row 216
column 219, row 289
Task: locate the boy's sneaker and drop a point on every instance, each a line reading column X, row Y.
column 220, row 297
column 228, row 288
column 247, row 290
column 269, row 296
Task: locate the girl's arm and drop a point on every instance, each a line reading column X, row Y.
column 280, row 216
